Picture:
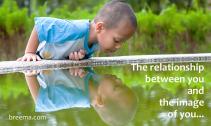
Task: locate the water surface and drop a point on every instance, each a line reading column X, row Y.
column 98, row 96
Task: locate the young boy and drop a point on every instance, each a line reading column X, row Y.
column 115, row 103
column 53, row 38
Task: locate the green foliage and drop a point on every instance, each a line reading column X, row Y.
column 12, row 86
column 77, row 14
column 172, row 31
column 198, row 24
column 12, row 19
column 156, row 6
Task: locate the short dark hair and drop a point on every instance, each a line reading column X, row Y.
column 114, row 12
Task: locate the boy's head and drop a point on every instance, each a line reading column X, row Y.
column 115, row 103
column 114, row 24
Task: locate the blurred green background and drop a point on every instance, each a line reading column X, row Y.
column 164, row 26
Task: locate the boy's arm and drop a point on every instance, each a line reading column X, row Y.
column 32, row 45
column 32, row 42
column 33, row 86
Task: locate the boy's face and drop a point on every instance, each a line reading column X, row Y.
column 112, row 39
column 112, row 87
column 118, row 102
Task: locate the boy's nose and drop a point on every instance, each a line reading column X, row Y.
column 117, row 46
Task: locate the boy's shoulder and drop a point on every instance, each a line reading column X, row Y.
column 62, row 26
column 80, row 22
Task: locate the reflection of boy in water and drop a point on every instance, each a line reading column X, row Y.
column 62, row 89
column 114, row 102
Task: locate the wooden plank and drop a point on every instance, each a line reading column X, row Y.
column 17, row 66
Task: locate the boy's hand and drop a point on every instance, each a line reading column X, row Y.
column 77, row 55
column 30, row 73
column 29, row 57
column 77, row 72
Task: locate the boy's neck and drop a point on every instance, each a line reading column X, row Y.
column 92, row 90
column 92, row 34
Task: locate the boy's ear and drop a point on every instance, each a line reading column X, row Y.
column 100, row 101
column 99, row 26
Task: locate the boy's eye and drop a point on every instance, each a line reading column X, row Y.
column 116, row 41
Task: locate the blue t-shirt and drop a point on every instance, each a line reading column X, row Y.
column 59, row 90
column 59, row 37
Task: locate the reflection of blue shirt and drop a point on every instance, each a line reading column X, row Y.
column 59, row 37
column 59, row 90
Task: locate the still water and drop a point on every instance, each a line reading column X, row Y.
column 102, row 96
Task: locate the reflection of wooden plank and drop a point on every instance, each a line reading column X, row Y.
column 15, row 66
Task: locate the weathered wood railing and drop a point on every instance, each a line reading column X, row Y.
column 15, row 66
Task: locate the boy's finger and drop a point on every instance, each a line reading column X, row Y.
column 76, row 72
column 71, row 72
column 76, row 56
column 23, row 59
column 19, row 59
column 71, row 56
column 34, row 58
column 80, row 55
column 35, row 72
column 81, row 73
column 38, row 58
column 28, row 59
column 82, row 51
